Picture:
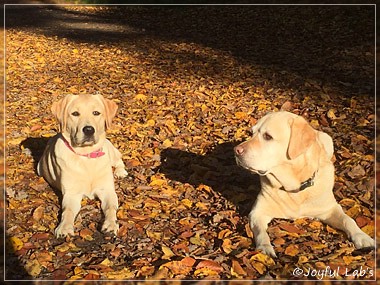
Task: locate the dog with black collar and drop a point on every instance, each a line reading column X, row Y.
column 296, row 171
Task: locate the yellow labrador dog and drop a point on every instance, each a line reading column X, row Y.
column 79, row 160
column 296, row 175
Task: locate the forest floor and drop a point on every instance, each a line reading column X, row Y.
column 189, row 81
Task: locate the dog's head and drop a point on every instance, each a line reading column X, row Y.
column 84, row 118
column 279, row 139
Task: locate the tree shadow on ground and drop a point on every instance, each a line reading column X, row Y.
column 216, row 169
column 13, row 269
column 331, row 45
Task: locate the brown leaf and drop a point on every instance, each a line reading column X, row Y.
column 210, row 264
column 177, row 267
column 287, row 106
column 38, row 213
column 292, row 250
column 237, row 270
column 291, row 228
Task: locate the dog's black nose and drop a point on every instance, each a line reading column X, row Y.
column 88, row 130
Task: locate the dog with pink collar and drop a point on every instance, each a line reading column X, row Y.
column 79, row 160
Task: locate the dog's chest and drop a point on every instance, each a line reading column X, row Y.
column 87, row 175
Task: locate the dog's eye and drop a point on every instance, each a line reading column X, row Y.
column 96, row 113
column 267, row 137
column 75, row 114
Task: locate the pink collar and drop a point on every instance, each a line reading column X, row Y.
column 94, row 154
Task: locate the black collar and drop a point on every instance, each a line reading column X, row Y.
column 304, row 185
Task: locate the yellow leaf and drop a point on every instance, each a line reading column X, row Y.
column 79, row 271
column 259, row 267
column 330, row 229
column 331, row 114
column 187, row 203
column 314, row 124
column 224, row 233
column 57, row 80
column 33, row 267
column 197, row 240
column 167, row 143
column 168, row 253
column 347, row 202
column 204, row 187
column 319, row 246
column 369, row 229
column 263, row 258
column 15, row 141
column 172, row 126
column 73, row 89
column 66, row 246
column 315, row 225
column 140, row 97
column 157, row 182
column 303, row 259
column 17, row 243
column 106, row 262
column 241, row 115
column 204, row 271
column 154, row 235
column 248, row 230
column 150, row 123
column 354, row 211
column 227, row 246
column 201, row 206
column 120, row 274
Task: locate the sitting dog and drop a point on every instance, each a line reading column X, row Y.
column 296, row 175
column 79, row 160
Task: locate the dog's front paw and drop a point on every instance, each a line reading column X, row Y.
column 110, row 227
column 120, row 172
column 267, row 249
column 362, row 240
column 64, row 230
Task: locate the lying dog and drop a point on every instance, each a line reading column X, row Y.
column 296, row 175
column 79, row 160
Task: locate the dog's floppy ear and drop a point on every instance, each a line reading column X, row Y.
column 110, row 113
column 327, row 144
column 302, row 136
column 59, row 110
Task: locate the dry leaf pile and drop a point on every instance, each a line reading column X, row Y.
column 189, row 82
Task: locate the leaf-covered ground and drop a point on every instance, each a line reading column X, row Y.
column 189, row 81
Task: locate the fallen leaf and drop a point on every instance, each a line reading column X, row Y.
column 168, row 253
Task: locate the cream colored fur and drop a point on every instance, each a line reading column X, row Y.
column 75, row 175
column 286, row 151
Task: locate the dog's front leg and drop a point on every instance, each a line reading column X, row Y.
column 259, row 225
column 70, row 209
column 109, row 202
column 120, row 171
column 338, row 219
column 117, row 162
